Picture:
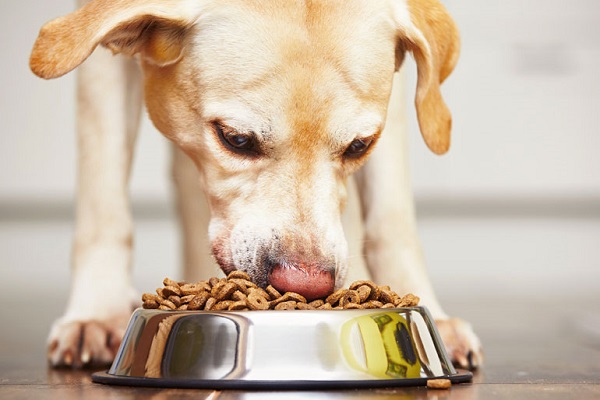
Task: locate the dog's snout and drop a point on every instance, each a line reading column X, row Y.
column 291, row 261
column 310, row 280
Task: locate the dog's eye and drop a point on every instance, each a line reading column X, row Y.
column 358, row 147
column 237, row 142
column 240, row 141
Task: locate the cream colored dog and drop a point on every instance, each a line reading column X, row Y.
column 277, row 103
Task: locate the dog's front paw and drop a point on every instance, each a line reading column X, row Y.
column 462, row 344
column 79, row 343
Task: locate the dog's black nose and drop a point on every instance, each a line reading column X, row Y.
column 311, row 281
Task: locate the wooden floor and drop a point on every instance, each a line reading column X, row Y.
column 547, row 349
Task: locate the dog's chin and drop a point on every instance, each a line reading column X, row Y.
column 310, row 281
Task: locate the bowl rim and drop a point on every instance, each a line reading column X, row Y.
column 103, row 377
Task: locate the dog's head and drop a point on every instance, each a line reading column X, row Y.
column 277, row 103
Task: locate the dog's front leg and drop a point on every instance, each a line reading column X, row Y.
column 392, row 247
column 194, row 215
column 101, row 297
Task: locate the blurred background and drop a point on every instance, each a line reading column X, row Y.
column 512, row 211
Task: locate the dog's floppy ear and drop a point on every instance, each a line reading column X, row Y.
column 154, row 28
column 433, row 39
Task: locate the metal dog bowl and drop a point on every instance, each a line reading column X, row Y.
column 281, row 350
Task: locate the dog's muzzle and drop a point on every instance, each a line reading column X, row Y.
column 290, row 263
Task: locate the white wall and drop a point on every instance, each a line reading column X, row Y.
column 524, row 97
column 37, row 136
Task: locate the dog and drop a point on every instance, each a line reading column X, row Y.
column 276, row 104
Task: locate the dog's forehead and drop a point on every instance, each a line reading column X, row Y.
column 243, row 44
column 315, row 63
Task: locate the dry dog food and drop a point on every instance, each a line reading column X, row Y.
column 439, row 384
column 237, row 292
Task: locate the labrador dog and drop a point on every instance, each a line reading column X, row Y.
column 276, row 104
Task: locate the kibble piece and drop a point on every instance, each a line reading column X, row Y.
column 256, row 301
column 249, row 284
column 350, row 296
column 239, row 296
column 410, row 300
column 224, row 292
column 352, row 306
column 388, row 305
column 238, row 305
column 170, row 291
column 372, row 304
column 210, row 303
column 334, row 297
column 164, row 308
column 195, row 288
column 241, row 285
column 175, row 300
column 273, row 293
column 316, row 303
column 150, row 296
column 213, row 281
column 375, row 293
column 325, row 306
column 151, row 304
column 386, row 296
column 288, row 296
column 168, row 303
column 304, row 306
column 198, row 302
column 260, row 292
column 223, row 305
column 170, row 282
column 216, row 287
column 182, row 307
column 286, row 305
column 187, row 299
column 239, row 275
column 296, row 297
column 364, row 292
column 439, row 383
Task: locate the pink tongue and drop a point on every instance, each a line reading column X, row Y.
column 309, row 281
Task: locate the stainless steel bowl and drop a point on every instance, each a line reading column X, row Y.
column 281, row 349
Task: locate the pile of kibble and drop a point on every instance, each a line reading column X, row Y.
column 237, row 292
